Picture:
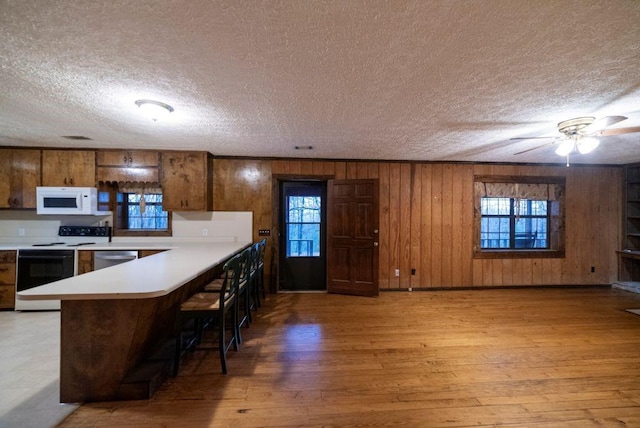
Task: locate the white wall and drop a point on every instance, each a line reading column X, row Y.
column 28, row 227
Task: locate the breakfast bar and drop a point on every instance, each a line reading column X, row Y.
column 117, row 323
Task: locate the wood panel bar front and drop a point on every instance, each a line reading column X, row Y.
column 105, row 342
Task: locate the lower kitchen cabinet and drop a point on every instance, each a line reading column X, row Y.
column 7, row 279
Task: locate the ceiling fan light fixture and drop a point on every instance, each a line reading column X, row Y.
column 154, row 109
column 587, row 145
column 565, row 148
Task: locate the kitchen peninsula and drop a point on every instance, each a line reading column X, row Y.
column 116, row 322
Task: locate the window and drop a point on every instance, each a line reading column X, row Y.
column 518, row 217
column 142, row 212
column 303, row 226
column 134, row 214
column 513, row 223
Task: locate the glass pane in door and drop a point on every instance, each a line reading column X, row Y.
column 303, row 226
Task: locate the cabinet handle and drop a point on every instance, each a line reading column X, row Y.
column 186, row 203
column 9, row 201
column 71, row 181
column 65, row 181
column 125, row 159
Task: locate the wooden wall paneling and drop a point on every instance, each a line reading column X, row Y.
column 507, row 271
column 394, row 223
column 416, row 226
column 295, row 167
column 317, row 168
column 340, row 170
column 487, row 272
column 496, row 271
column 516, row 272
column 527, row 271
column 278, row 166
column 467, row 225
column 457, row 209
column 329, row 168
column 476, row 272
column 447, row 225
column 425, row 226
column 436, row 225
column 406, row 185
column 306, row 167
column 384, row 238
column 614, row 229
column 372, row 168
column 363, row 170
column 352, row 170
column 537, row 276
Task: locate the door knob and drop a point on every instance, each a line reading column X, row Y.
column 375, row 244
column 375, row 230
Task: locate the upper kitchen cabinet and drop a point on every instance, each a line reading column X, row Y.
column 69, row 168
column 187, row 181
column 128, row 165
column 19, row 177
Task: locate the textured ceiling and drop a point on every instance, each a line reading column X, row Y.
column 404, row 80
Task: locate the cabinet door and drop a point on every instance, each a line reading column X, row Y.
column 69, row 168
column 128, row 158
column 19, row 177
column 85, row 261
column 186, row 181
column 7, row 279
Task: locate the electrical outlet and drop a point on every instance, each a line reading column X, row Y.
column 205, row 232
column 21, row 231
column 397, row 272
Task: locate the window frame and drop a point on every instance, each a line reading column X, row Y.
column 119, row 219
column 555, row 227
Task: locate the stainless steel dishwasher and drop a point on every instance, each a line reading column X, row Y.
column 104, row 259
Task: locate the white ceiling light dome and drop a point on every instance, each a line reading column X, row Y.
column 154, row 109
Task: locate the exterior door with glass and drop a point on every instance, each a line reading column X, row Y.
column 302, row 236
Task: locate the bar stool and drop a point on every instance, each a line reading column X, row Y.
column 244, row 291
column 262, row 248
column 203, row 309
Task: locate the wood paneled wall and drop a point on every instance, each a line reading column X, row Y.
column 426, row 219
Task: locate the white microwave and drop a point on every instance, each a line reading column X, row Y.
column 67, row 200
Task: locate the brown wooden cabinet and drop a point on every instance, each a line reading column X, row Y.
column 69, row 168
column 19, row 176
column 146, row 253
column 7, row 279
column 187, row 181
column 128, row 165
column 85, row 261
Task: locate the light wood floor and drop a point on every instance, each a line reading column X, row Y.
column 516, row 357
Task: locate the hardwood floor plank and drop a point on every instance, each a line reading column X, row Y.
column 526, row 357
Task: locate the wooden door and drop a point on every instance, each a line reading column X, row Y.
column 352, row 259
column 302, row 240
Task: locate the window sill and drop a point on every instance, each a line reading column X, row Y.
column 518, row 254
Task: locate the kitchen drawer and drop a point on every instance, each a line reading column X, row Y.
column 8, row 257
column 7, row 273
column 7, row 296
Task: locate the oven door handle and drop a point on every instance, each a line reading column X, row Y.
column 52, row 257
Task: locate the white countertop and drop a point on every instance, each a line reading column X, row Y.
column 148, row 277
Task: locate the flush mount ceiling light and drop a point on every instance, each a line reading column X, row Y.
column 154, row 109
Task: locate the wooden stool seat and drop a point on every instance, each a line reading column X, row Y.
column 202, row 302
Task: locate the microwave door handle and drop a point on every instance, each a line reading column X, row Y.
column 51, row 257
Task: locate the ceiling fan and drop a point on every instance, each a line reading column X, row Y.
column 578, row 135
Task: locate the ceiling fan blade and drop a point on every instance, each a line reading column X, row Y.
column 602, row 123
column 534, row 148
column 531, row 138
column 619, row 131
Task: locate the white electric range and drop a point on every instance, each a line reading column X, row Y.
column 52, row 261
